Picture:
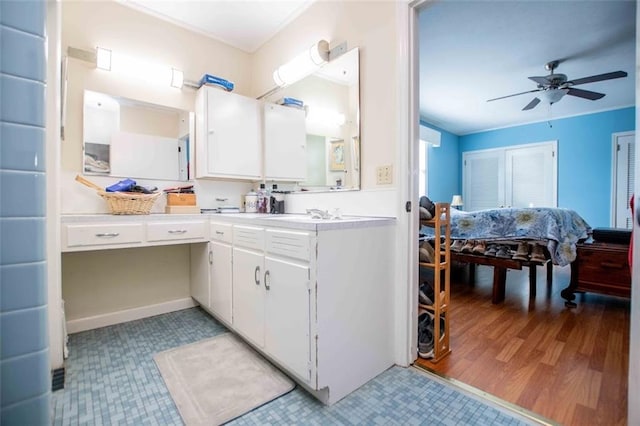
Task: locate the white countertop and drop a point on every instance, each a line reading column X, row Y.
column 291, row 221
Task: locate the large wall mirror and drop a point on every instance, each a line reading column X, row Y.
column 129, row 138
column 332, row 101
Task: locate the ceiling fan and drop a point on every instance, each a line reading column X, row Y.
column 553, row 87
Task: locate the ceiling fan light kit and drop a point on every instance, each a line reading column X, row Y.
column 554, row 86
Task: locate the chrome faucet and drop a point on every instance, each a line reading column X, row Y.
column 318, row 214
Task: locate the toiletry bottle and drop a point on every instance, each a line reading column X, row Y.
column 251, row 202
column 262, row 199
column 272, row 199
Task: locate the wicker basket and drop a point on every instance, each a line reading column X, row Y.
column 129, row 202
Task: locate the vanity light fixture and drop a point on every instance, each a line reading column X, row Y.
column 302, row 65
column 129, row 66
column 103, row 58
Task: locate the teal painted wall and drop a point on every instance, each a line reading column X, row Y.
column 443, row 170
column 584, row 158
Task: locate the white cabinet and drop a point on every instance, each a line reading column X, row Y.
column 271, row 298
column 287, row 314
column 227, row 135
column 220, row 272
column 285, row 143
column 312, row 299
column 248, row 294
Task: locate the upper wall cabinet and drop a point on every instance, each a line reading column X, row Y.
column 227, row 135
column 285, row 139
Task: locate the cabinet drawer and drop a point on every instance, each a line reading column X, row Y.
column 296, row 245
column 604, row 267
column 221, row 232
column 170, row 231
column 104, row 234
column 249, row 237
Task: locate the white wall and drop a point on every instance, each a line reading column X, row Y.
column 373, row 26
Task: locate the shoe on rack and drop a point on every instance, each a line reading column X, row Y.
column 522, row 252
column 468, row 246
column 425, row 297
column 425, row 335
column 491, row 250
column 480, row 247
column 457, row 245
column 427, row 253
column 428, row 204
column 537, row 254
column 424, row 214
column 504, row 252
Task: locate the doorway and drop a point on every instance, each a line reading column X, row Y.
column 634, row 414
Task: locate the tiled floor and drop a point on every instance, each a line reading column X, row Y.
column 111, row 378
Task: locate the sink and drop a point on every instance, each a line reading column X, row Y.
column 295, row 217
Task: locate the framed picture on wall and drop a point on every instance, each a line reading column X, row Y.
column 336, row 156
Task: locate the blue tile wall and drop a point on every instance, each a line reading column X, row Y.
column 25, row 377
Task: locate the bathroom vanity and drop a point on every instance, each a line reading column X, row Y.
column 312, row 295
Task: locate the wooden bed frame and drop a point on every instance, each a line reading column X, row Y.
column 500, row 266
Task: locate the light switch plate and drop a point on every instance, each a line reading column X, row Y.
column 384, row 175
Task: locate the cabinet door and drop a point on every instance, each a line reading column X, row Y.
column 248, row 294
column 199, row 273
column 232, row 135
column 221, row 284
column 285, row 141
column 287, row 315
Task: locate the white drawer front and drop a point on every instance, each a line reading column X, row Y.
column 221, row 232
column 170, row 231
column 249, row 237
column 104, row 234
column 296, row 245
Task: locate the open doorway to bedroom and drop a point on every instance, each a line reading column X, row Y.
column 567, row 365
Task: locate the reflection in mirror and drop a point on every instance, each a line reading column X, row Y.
column 332, row 101
column 128, row 138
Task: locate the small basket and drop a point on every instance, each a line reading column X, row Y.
column 129, row 202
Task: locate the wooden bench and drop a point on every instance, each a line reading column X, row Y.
column 500, row 266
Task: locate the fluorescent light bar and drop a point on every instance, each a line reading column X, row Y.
column 303, row 64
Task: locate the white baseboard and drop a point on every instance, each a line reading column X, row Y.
column 89, row 323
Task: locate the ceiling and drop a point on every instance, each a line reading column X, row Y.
column 471, row 51
column 244, row 24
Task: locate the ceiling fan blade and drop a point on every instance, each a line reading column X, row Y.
column 540, row 80
column 515, row 94
column 532, row 104
column 599, row 77
column 586, row 94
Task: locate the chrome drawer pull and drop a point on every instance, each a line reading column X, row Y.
column 107, row 234
column 219, row 232
column 256, row 275
column 177, row 231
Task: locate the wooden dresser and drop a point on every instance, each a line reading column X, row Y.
column 599, row 268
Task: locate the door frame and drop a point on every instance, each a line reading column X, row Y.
column 411, row 99
column 614, row 173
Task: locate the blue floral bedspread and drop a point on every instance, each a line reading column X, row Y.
column 560, row 229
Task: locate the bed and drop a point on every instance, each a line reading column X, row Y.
column 559, row 230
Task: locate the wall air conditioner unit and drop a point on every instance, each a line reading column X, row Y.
column 430, row 136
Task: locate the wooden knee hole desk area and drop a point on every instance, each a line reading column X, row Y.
column 500, row 266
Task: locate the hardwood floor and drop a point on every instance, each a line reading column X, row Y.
column 568, row 365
